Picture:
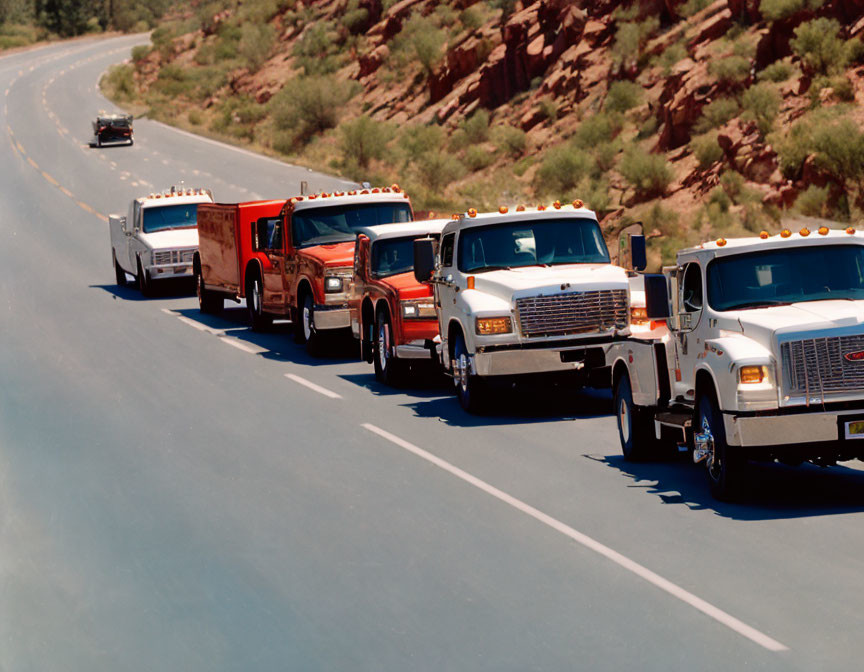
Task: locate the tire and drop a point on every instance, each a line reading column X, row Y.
column 388, row 369
column 209, row 302
column 145, row 285
column 131, row 142
column 119, row 273
column 725, row 468
column 306, row 325
column 472, row 393
column 258, row 319
column 635, row 424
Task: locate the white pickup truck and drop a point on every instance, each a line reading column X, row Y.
column 761, row 356
column 158, row 238
column 523, row 292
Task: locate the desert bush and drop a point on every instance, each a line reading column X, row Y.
column 596, row 130
column 310, row 105
column 836, row 143
column 140, row 52
column 364, row 139
column 119, row 82
column 623, row 95
column 478, row 158
column 17, row 35
column 673, row 54
column 418, row 140
column 778, row 71
column 692, row 6
column 548, row 109
column 649, row 128
column 706, row 150
column 437, row 168
column 732, row 69
column 776, row 10
column 813, row 202
column 604, row 155
column 732, row 183
column 471, row 131
column 256, row 42
column 648, row 174
column 471, row 18
column 563, row 168
column 510, row 140
column 195, row 117
column 720, row 199
column 355, row 18
column 819, row 46
column 761, row 103
column 715, row 114
column 631, row 36
column 317, row 50
column 420, row 40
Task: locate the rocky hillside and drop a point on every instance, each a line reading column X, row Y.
column 699, row 118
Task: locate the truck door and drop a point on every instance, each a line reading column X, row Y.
column 127, row 253
column 689, row 340
column 444, row 289
column 272, row 243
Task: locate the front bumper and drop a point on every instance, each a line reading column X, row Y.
column 519, row 361
column 790, row 429
column 332, row 317
column 167, row 271
column 414, row 350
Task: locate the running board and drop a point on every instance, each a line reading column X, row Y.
column 679, row 421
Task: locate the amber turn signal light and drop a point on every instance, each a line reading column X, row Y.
column 486, row 326
column 752, row 374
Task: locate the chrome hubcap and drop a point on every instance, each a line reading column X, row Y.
column 624, row 420
column 703, row 446
column 256, row 298
column 461, row 372
column 383, row 345
column 307, row 321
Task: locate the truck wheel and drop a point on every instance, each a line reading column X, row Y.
column 635, row 424
column 388, row 368
column 119, row 273
column 307, row 326
column 145, row 286
column 470, row 390
column 208, row 302
column 725, row 468
column 258, row 319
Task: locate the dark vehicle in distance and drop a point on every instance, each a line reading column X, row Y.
column 112, row 128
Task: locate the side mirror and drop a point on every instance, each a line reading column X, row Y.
column 656, row 297
column 424, row 259
column 638, row 253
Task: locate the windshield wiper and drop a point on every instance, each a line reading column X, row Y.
column 483, row 269
column 758, row 304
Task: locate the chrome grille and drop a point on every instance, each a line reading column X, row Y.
column 816, row 367
column 573, row 313
column 162, row 257
column 186, row 256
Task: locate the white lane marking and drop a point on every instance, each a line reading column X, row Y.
column 237, row 344
column 198, row 325
column 630, row 565
column 168, row 311
column 313, row 386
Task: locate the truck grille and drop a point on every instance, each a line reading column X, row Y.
column 818, row 366
column 573, row 313
column 163, row 257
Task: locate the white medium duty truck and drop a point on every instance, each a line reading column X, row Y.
column 158, row 238
column 761, row 356
column 524, row 292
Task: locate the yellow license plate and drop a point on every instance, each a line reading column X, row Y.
column 855, row 429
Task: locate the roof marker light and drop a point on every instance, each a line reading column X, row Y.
column 804, row 232
column 764, row 235
column 578, row 204
column 541, row 208
column 376, row 190
column 353, row 192
column 312, row 197
column 395, row 187
column 557, row 205
column 850, row 231
column 721, row 242
column 338, row 193
column 386, row 190
column 823, row 230
column 470, row 282
column 503, row 209
column 365, row 191
column 454, row 216
column 785, row 233
column 472, row 212
column 520, row 208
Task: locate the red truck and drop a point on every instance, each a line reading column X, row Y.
column 392, row 314
column 290, row 258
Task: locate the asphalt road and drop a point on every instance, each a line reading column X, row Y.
column 179, row 493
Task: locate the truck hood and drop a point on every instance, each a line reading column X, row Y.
column 406, row 286
column 337, row 254
column 764, row 324
column 545, row 280
column 173, row 238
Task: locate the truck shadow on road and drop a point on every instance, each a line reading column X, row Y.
column 520, row 406
column 164, row 289
column 772, row 491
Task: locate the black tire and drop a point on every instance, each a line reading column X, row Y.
column 258, row 319
column 209, row 302
column 131, row 142
column 388, row 369
column 119, row 273
column 145, row 285
column 635, row 424
column 306, row 325
column 471, row 391
column 725, row 467
column 98, row 141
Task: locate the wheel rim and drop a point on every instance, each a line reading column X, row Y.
column 383, row 345
column 199, row 289
column 256, row 298
column 713, row 462
column 624, row 420
column 461, row 372
column 307, row 320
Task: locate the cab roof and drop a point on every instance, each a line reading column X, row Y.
column 472, row 218
column 404, row 230
column 354, row 196
column 804, row 237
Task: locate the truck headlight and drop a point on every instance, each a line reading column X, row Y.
column 753, row 374
column 418, row 309
column 486, row 326
column 639, row 315
column 332, row 284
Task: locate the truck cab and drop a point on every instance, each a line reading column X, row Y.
column 527, row 292
column 761, row 356
column 392, row 315
column 158, row 237
column 298, row 263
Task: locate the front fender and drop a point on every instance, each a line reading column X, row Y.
column 723, row 358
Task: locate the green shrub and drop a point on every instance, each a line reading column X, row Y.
column 548, row 109
column 692, row 6
column 706, row 150
column 437, row 168
column 819, row 46
column 195, row 118
column 761, row 104
column 732, row 69
column 418, row 140
column 119, row 82
column 317, row 50
column 596, row 130
column 510, row 140
column 256, row 43
column 836, row 143
column 604, row 155
column 716, row 113
column 478, row 158
column 778, row 71
column 362, row 140
column 776, row 10
column 732, row 183
column 631, row 36
column 310, row 105
column 471, row 19
column 814, row 201
column 356, row 18
column 623, row 95
column 562, row 169
column 648, row 174
column 419, row 40
column 719, row 198
column 476, row 127
column 673, row 54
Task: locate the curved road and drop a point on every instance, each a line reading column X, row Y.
column 179, row 493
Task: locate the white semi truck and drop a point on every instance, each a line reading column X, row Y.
column 758, row 355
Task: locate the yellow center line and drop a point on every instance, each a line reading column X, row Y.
column 84, row 206
column 67, row 192
column 32, row 163
column 50, row 179
column 20, row 148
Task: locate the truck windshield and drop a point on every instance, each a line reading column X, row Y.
column 392, row 256
column 778, row 277
column 539, row 242
column 164, row 217
column 338, row 223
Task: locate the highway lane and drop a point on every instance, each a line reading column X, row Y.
column 170, row 500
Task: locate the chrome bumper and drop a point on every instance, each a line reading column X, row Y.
column 170, row 271
column 517, row 362
column 331, row 317
column 774, row 430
